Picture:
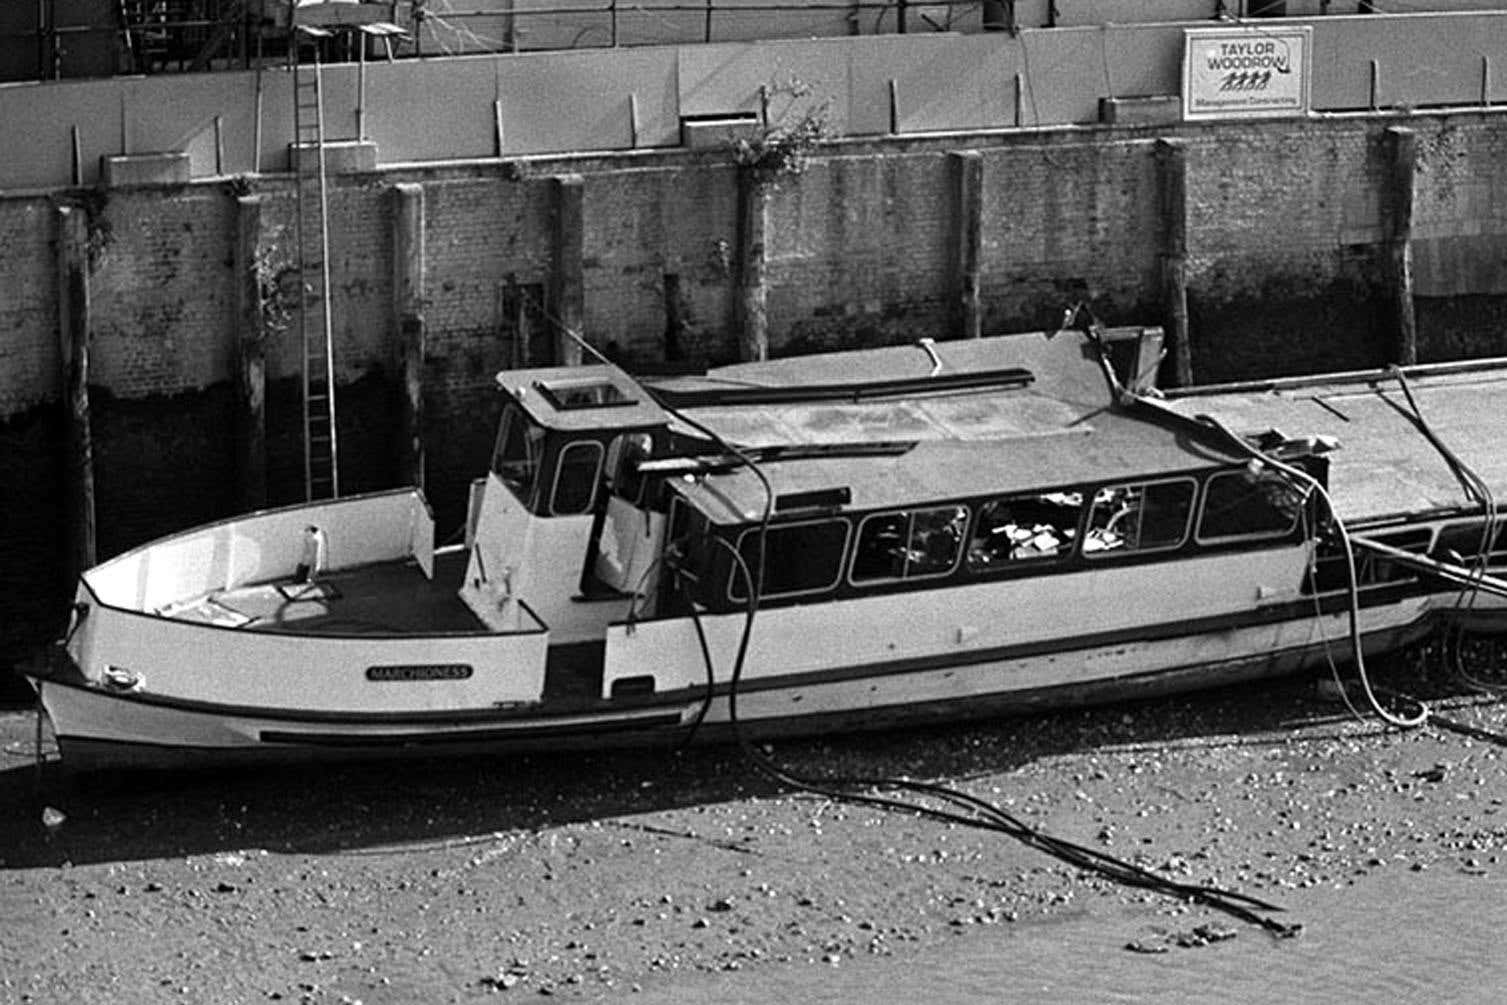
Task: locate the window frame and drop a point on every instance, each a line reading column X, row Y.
column 1111, row 554
column 513, row 414
column 1219, row 539
column 596, row 477
column 1063, row 553
column 910, row 513
column 733, row 578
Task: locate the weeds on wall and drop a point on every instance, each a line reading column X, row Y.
column 278, row 285
column 793, row 125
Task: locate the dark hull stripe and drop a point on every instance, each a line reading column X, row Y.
column 283, row 746
column 921, row 664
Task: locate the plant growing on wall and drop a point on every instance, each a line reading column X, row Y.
column 782, row 147
column 277, row 285
column 780, row 150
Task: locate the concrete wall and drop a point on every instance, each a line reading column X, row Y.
column 1285, row 224
column 623, row 99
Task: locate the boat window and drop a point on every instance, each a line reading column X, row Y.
column 1464, row 543
column 515, row 459
column 1245, row 504
column 909, row 544
column 1024, row 528
column 623, row 455
column 576, row 476
column 1139, row 517
column 802, row 558
column 1331, row 566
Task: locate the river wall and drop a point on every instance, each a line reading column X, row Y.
column 1285, row 235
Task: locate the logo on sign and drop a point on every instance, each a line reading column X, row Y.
column 1245, row 71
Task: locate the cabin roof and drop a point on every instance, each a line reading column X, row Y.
column 1046, row 383
column 1061, row 430
column 579, row 398
column 942, row 470
column 1384, row 466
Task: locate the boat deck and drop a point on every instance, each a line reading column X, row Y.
column 1385, row 464
column 390, row 598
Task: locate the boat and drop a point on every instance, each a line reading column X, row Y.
column 853, row 540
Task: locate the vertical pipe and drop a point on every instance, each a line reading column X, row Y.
column 41, row 39
column 497, row 126
column 78, row 159
column 219, row 146
column 968, row 186
column 1375, row 83
column 612, row 14
column 361, row 89
column 256, row 129
column 1486, row 80
column 1020, row 100
column 251, row 358
column 894, row 106
column 1172, row 191
column 1401, row 145
column 569, row 277
column 709, row 4
column 74, row 324
column 633, row 125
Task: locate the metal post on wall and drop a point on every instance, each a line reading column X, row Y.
column 74, row 324
column 1172, row 190
column 968, row 186
column 1402, row 164
column 408, row 310
column 251, row 358
column 568, row 287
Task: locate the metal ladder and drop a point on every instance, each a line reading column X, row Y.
column 321, row 454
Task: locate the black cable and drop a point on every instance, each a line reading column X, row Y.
column 980, row 813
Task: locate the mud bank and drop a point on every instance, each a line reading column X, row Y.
column 599, row 877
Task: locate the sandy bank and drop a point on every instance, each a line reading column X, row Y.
column 592, row 876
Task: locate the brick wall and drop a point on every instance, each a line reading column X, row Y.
column 1283, row 224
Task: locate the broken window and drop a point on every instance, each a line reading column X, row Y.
column 1332, row 567
column 520, row 444
column 909, row 544
column 801, row 558
column 1139, row 517
column 1023, row 528
column 1249, row 504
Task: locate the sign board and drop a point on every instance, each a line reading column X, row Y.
column 1246, row 71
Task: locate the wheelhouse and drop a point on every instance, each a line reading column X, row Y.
column 563, row 432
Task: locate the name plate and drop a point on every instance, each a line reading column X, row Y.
column 419, row 671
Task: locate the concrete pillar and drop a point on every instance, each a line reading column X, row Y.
column 1172, row 198
column 251, row 358
column 569, row 292
column 74, row 324
column 753, row 267
column 408, row 310
column 1401, row 146
column 967, row 198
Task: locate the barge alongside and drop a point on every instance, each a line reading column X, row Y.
column 852, row 540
